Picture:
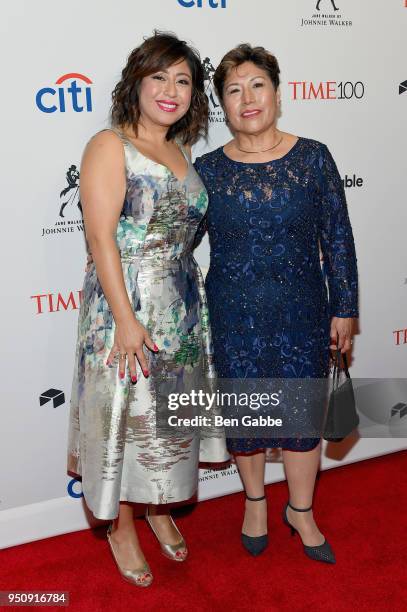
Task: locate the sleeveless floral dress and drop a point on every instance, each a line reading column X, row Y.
column 113, row 442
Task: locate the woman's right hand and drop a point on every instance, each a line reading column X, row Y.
column 129, row 339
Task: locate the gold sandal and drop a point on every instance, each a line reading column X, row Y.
column 175, row 552
column 140, row 577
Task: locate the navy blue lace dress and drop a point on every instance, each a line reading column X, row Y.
column 268, row 303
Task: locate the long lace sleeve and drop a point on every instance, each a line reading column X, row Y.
column 336, row 239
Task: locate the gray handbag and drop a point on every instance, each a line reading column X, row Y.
column 342, row 417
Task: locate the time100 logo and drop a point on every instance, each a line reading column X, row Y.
column 201, row 3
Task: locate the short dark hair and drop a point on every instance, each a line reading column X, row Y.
column 156, row 53
column 241, row 54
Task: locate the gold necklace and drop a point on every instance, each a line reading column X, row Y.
column 264, row 150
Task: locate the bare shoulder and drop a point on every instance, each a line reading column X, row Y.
column 103, row 168
column 106, row 142
column 104, row 151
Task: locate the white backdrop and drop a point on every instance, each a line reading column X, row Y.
column 355, row 65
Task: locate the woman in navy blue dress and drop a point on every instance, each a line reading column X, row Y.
column 276, row 202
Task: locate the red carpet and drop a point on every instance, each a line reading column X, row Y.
column 361, row 508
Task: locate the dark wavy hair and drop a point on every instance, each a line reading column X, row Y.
column 156, row 53
column 241, row 54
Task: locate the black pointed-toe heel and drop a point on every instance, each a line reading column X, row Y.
column 255, row 545
column 323, row 552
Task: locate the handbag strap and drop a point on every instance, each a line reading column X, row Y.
column 337, row 363
column 345, row 365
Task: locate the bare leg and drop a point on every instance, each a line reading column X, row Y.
column 125, row 539
column 301, row 470
column 251, row 470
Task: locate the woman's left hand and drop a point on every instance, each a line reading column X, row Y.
column 344, row 329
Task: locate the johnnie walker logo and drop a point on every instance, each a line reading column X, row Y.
column 327, row 13
column 69, row 217
column 216, row 114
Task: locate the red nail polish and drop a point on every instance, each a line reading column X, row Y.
column 121, row 374
column 146, row 373
column 155, row 347
column 134, row 379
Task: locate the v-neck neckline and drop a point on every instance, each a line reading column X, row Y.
column 181, row 181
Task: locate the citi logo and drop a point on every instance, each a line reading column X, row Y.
column 55, row 302
column 400, row 336
column 326, row 90
column 69, row 96
column 201, row 3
